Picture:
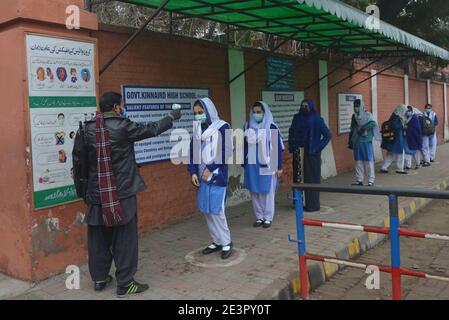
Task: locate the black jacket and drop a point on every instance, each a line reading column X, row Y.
column 122, row 134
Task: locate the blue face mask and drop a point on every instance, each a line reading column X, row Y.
column 357, row 110
column 201, row 118
column 258, row 117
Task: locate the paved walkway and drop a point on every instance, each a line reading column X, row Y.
column 426, row 255
column 264, row 265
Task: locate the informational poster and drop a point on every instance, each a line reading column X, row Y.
column 144, row 104
column 277, row 67
column 283, row 106
column 346, row 110
column 61, row 86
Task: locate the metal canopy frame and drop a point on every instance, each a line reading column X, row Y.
column 295, row 21
column 288, row 20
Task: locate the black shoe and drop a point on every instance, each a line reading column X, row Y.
column 358, row 183
column 417, row 167
column 226, row 253
column 401, row 172
column 432, row 160
column 370, row 184
column 212, row 248
column 426, row 164
column 267, row 224
column 133, row 288
column 383, row 171
column 258, row 223
column 408, row 168
column 100, row 285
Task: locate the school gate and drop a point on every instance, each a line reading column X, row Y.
column 41, row 230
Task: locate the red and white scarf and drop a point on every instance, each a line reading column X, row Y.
column 110, row 203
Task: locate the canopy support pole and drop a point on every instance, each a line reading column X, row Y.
column 329, row 73
column 133, row 37
column 255, row 63
column 357, row 71
column 381, row 71
column 288, row 72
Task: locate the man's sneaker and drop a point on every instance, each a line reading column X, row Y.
column 133, row 288
column 212, row 248
column 258, row 223
column 432, row 160
column 417, row 167
column 426, row 164
column 358, row 183
column 100, row 285
column 383, row 171
column 401, row 172
column 408, row 168
column 370, row 184
column 226, row 251
column 266, row 224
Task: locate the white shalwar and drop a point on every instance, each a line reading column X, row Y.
column 218, row 228
column 429, row 147
column 390, row 157
column 263, row 203
column 409, row 157
column 361, row 167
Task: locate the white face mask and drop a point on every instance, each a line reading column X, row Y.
column 428, row 111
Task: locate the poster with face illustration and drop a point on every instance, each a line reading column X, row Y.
column 61, row 86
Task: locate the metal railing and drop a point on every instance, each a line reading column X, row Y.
column 394, row 231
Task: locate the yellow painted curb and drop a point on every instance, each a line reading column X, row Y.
column 353, row 248
column 330, row 268
column 402, row 214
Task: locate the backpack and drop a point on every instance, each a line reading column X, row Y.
column 428, row 127
column 80, row 162
column 388, row 131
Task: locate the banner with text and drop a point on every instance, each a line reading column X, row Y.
column 61, row 87
column 283, row 106
column 144, row 104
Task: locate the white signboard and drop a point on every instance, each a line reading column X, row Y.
column 346, row 110
column 61, row 86
column 283, row 106
column 144, row 104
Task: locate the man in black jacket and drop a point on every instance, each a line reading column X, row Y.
column 120, row 242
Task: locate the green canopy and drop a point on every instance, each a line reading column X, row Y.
column 323, row 23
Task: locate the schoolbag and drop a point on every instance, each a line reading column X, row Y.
column 80, row 162
column 388, row 131
column 428, row 127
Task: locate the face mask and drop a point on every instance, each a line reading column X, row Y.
column 409, row 114
column 201, row 117
column 428, row 111
column 258, row 117
column 123, row 113
column 304, row 111
column 357, row 110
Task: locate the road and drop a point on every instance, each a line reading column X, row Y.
column 431, row 256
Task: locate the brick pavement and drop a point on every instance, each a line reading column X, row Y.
column 264, row 265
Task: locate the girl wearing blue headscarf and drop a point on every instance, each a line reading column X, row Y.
column 262, row 162
column 395, row 149
column 363, row 129
column 414, row 138
column 308, row 131
column 210, row 148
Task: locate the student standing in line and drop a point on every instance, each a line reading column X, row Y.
column 309, row 131
column 263, row 149
column 414, row 138
column 395, row 146
column 209, row 150
column 430, row 122
column 363, row 129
